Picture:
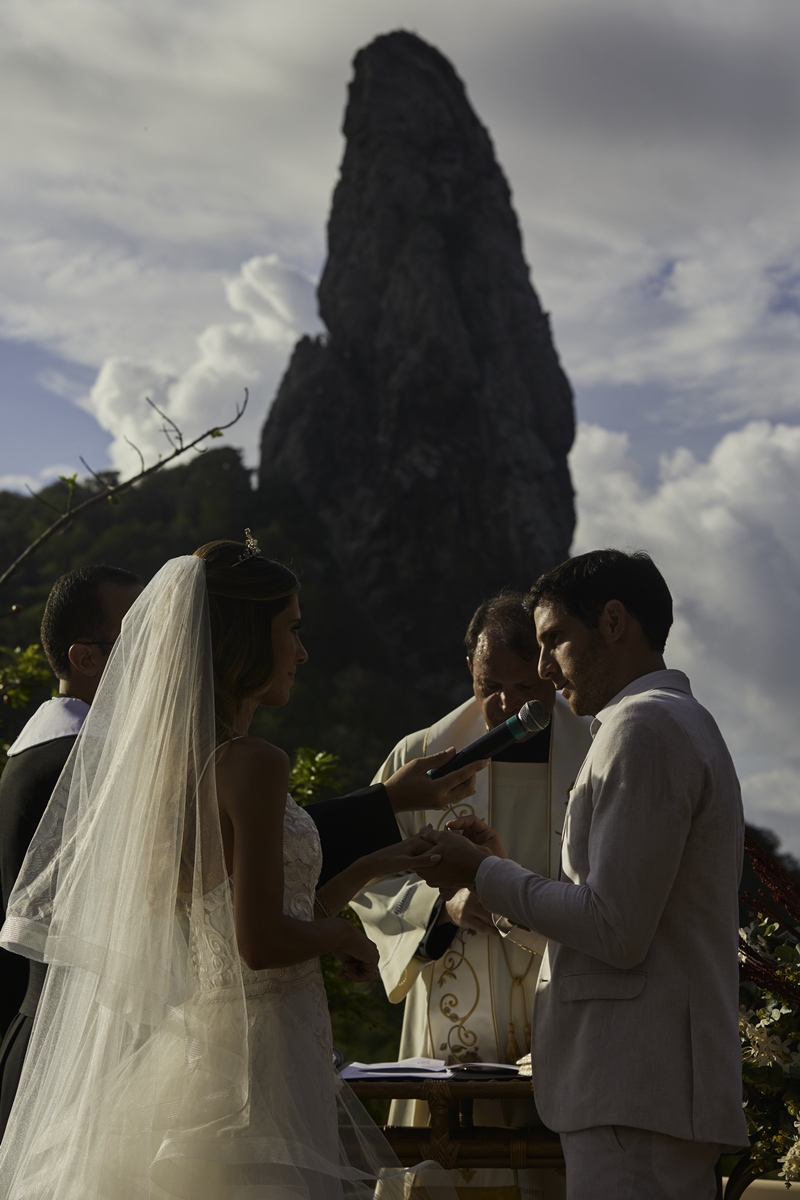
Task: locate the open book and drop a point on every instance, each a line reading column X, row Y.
column 428, row 1068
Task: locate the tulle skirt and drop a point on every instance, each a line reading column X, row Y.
column 169, row 1121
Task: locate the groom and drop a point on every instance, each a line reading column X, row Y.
column 636, row 1056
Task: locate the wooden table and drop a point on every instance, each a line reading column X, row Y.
column 453, row 1140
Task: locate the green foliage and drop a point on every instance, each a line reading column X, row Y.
column 770, row 1033
column 22, row 673
column 313, row 773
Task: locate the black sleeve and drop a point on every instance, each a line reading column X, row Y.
column 26, row 785
column 351, row 826
column 437, row 938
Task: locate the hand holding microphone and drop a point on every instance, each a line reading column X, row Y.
column 414, row 787
column 533, row 717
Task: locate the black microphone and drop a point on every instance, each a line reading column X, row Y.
column 533, row 717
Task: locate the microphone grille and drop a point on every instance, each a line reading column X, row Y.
column 534, row 716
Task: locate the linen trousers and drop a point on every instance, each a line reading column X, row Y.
column 617, row 1162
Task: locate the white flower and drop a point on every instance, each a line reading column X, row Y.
column 790, row 1162
column 763, row 1047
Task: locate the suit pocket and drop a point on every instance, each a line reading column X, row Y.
column 601, row 985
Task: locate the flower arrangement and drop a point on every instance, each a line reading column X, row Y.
column 769, row 953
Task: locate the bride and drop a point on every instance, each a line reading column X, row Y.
column 182, row 1045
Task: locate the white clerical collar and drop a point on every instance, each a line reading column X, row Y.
column 665, row 680
column 60, row 717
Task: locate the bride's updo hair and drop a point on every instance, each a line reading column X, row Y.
column 244, row 594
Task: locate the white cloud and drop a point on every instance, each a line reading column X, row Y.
column 88, row 301
column 715, row 320
column 724, row 532
column 271, row 304
column 654, row 154
column 772, row 800
column 12, row 482
column 59, row 384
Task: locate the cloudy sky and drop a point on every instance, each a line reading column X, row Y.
column 167, row 173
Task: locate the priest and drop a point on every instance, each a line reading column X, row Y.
column 468, row 990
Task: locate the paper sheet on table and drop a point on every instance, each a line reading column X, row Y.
column 412, row 1068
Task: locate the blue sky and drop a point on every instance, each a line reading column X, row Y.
column 167, row 177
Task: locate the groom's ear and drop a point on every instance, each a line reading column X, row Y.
column 614, row 621
column 87, row 661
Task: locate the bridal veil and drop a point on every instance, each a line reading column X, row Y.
column 137, row 1080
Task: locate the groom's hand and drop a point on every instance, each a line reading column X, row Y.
column 453, row 860
column 411, row 789
column 479, row 832
column 465, row 910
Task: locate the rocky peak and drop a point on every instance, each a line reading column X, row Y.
column 429, row 430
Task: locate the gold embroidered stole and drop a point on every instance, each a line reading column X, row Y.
column 481, row 991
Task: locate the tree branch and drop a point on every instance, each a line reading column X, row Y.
column 134, row 447
column 169, row 428
column 39, row 500
column 93, row 474
column 108, row 492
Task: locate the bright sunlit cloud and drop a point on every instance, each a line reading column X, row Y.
column 271, row 305
column 724, row 533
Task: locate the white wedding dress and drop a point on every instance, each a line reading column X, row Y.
column 289, row 1145
column 293, row 1087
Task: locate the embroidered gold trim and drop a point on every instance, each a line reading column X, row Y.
column 461, row 1043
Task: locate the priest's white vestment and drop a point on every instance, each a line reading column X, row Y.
column 475, row 1002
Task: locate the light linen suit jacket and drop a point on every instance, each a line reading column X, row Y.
column 636, row 1014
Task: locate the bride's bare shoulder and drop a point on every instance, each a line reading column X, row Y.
column 249, row 766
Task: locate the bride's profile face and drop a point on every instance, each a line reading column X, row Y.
column 288, row 652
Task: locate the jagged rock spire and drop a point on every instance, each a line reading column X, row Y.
column 429, row 430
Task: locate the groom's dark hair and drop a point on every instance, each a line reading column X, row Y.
column 583, row 586
column 75, row 611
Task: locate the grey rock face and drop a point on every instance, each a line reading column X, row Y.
column 429, row 430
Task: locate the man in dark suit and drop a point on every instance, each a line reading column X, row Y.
column 82, row 620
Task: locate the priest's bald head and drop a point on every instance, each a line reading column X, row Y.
column 503, row 658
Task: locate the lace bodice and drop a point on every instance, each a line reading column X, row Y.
column 216, row 960
column 302, row 862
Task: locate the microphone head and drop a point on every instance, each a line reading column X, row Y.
column 533, row 716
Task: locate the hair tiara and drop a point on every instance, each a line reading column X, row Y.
column 251, row 549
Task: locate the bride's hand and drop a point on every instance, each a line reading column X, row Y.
column 357, row 954
column 394, row 859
